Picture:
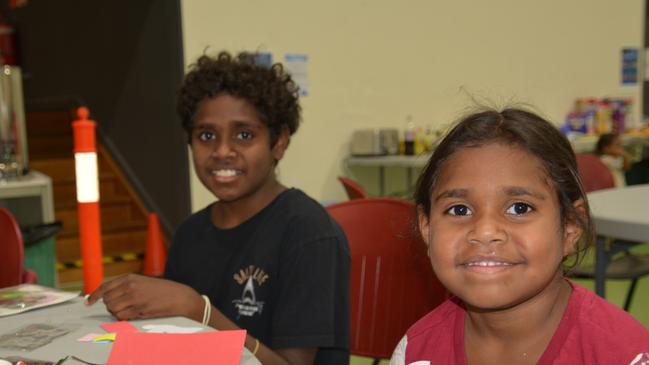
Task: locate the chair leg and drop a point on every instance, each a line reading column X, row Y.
column 629, row 295
column 601, row 262
column 376, row 361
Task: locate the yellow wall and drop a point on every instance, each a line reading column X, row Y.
column 372, row 63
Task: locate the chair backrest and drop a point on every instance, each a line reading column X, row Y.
column 11, row 250
column 594, row 174
column 353, row 188
column 392, row 283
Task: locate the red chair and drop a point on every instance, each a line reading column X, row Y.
column 12, row 271
column 392, row 283
column 353, row 188
column 594, row 174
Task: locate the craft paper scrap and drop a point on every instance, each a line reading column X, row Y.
column 169, row 328
column 109, row 337
column 89, row 337
column 119, row 327
column 17, row 299
column 142, row 348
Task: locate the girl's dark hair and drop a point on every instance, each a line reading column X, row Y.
column 269, row 89
column 604, row 140
column 531, row 133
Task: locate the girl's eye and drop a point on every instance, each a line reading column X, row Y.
column 244, row 135
column 519, row 209
column 205, row 135
column 459, row 210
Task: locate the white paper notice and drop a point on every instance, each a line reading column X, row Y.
column 296, row 65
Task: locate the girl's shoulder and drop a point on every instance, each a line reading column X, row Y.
column 602, row 332
column 601, row 315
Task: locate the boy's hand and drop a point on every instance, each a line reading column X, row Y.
column 138, row 297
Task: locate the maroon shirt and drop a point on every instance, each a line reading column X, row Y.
column 591, row 331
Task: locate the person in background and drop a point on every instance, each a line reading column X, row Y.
column 501, row 208
column 610, row 150
column 264, row 257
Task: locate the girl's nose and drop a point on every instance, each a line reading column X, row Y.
column 487, row 229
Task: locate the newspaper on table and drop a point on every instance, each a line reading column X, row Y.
column 21, row 298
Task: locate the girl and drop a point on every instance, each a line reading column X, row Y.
column 611, row 152
column 501, row 207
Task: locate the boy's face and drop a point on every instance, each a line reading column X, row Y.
column 494, row 232
column 231, row 148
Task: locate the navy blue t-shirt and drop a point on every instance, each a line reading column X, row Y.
column 282, row 275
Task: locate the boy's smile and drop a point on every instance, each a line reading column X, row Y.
column 494, row 231
column 232, row 154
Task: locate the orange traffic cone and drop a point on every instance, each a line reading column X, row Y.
column 155, row 254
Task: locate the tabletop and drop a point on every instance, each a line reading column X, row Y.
column 621, row 212
column 83, row 319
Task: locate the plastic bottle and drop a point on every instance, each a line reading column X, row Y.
column 409, row 137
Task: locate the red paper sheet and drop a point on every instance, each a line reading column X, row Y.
column 142, row 348
column 119, row 327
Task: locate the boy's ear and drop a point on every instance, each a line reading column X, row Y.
column 573, row 229
column 280, row 145
column 424, row 224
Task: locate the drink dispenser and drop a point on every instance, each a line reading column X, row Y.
column 13, row 135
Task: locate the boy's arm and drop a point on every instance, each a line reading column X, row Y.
column 266, row 355
column 138, row 297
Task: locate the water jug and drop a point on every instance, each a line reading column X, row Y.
column 13, row 135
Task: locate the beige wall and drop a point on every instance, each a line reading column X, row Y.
column 372, row 63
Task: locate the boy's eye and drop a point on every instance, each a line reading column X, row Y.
column 459, row 210
column 519, row 209
column 205, row 135
column 244, row 135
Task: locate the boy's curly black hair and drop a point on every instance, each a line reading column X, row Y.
column 269, row 89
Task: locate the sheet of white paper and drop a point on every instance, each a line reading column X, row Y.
column 169, row 328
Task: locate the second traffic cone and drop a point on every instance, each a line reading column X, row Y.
column 155, row 254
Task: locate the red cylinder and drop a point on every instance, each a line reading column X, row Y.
column 88, row 211
column 90, row 239
column 84, row 132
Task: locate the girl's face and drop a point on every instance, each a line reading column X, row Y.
column 494, row 232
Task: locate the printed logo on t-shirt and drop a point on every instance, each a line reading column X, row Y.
column 641, row 359
column 248, row 305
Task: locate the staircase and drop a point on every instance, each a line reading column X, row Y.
column 123, row 216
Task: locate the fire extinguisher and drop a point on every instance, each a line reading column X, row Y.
column 8, row 54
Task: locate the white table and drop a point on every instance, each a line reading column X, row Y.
column 409, row 162
column 584, row 144
column 620, row 213
column 86, row 320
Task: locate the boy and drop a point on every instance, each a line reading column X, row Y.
column 264, row 257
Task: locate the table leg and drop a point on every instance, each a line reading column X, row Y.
column 601, row 262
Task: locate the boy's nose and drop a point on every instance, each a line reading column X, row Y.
column 223, row 149
column 487, row 230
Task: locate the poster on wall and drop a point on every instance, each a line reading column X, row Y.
column 630, row 66
column 296, row 64
column 264, row 59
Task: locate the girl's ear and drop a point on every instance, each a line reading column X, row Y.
column 424, row 224
column 573, row 229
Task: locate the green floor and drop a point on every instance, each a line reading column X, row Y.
column 615, row 292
